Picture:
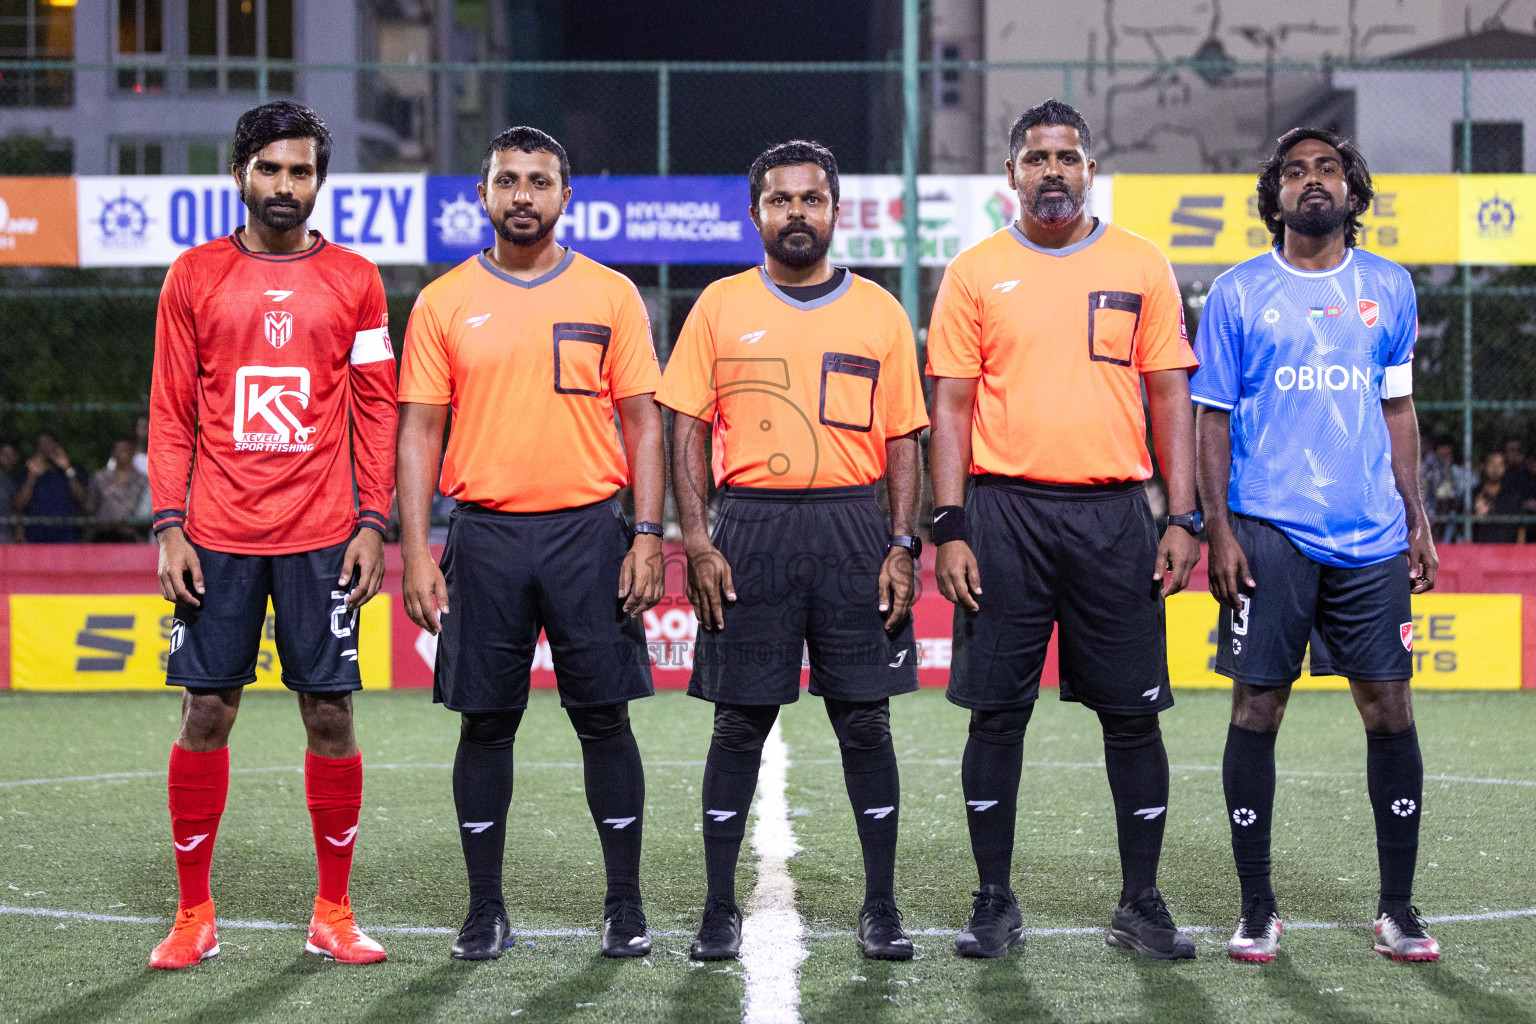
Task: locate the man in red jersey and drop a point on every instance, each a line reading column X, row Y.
column 274, row 391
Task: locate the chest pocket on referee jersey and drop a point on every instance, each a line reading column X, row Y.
column 1112, row 321
column 848, row 391
column 579, row 353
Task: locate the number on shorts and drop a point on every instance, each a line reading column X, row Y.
column 1240, row 617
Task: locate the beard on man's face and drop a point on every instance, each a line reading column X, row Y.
column 280, row 213
column 798, row 245
column 524, row 237
column 1315, row 221
column 1056, row 202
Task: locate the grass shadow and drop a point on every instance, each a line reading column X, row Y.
column 96, row 1003
column 1168, row 994
column 557, row 1000
column 254, row 1000
column 704, row 994
column 419, row 998
column 1289, row 987
column 864, row 1001
column 1003, row 993
column 1475, row 1003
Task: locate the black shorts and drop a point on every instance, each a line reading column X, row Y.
column 806, row 566
column 512, row 574
column 1076, row 558
column 1359, row 621
column 215, row 646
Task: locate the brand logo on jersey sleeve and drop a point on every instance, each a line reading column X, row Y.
column 1369, row 312
column 277, row 294
column 267, row 400
column 278, row 326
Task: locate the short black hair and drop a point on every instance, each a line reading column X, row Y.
column 529, row 140
column 1052, row 111
column 796, row 151
column 1356, row 175
column 282, row 119
column 1444, row 441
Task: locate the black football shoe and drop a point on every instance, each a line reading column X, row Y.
column 486, row 932
column 719, row 936
column 624, row 932
column 1145, row 925
column 881, row 936
column 996, row 924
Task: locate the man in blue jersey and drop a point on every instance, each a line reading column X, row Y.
column 1308, row 459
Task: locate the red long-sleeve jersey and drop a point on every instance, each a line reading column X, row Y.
column 274, row 389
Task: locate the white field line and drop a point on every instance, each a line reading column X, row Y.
column 772, row 944
column 563, row 933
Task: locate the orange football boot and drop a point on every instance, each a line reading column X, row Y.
column 333, row 933
column 193, row 939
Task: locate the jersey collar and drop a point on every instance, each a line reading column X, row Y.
column 827, row 299
column 1349, row 255
column 559, row 268
column 1097, row 233
column 277, row 257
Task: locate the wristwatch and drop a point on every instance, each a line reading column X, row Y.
column 913, row 544
column 1194, row 522
column 654, row 529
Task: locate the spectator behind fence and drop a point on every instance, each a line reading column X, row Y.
column 141, row 445
column 51, row 487
column 1445, row 483
column 1516, row 477
column 1496, row 498
column 10, row 465
column 115, row 495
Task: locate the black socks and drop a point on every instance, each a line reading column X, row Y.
column 1394, row 775
column 615, row 783
column 874, row 787
column 989, row 778
column 1137, row 765
column 482, row 792
column 1248, row 777
column 730, row 778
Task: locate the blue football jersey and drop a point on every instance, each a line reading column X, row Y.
column 1303, row 360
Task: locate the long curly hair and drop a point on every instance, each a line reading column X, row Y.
column 1356, row 175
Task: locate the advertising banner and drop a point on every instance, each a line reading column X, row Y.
column 1458, row 641
column 1496, row 212
column 149, row 221
column 622, row 219
column 121, row 642
column 1214, row 218
column 37, row 222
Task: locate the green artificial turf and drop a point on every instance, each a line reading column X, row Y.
column 101, row 847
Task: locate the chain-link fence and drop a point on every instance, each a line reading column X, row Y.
column 78, row 342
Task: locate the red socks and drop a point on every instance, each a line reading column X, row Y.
column 198, row 785
column 334, row 788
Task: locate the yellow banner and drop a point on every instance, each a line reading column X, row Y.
column 121, row 642
column 1496, row 212
column 1460, row 642
column 1214, row 218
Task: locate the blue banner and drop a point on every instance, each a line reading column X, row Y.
column 623, row 219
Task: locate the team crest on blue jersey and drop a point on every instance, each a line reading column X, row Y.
column 1369, row 312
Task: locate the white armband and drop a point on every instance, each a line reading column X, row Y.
column 1397, row 381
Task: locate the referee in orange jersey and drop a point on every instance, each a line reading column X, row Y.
column 803, row 379
column 535, row 347
column 1042, row 338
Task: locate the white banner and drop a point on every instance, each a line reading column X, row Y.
column 955, row 211
column 149, row 221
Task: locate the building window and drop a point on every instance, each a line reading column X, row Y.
column 140, row 34
column 1498, row 147
column 37, row 30
column 949, row 78
column 208, row 156
column 222, row 31
column 136, row 156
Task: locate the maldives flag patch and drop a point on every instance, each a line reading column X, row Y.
column 1406, row 629
column 1369, row 312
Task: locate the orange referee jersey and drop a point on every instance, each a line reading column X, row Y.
column 801, row 394
column 1059, row 339
column 532, row 370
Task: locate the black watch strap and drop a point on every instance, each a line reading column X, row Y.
column 912, row 544
column 654, row 529
column 1194, row 522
